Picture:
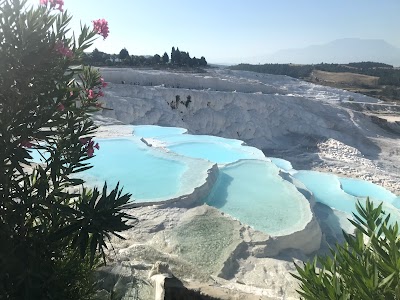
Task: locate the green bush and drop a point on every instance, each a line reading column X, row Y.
column 52, row 228
column 365, row 267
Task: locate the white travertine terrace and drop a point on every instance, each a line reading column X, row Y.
column 196, row 181
column 296, row 120
column 273, row 113
column 261, row 119
column 201, row 175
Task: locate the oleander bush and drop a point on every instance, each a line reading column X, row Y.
column 53, row 229
column 365, row 267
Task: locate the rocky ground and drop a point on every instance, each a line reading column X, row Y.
column 335, row 157
column 346, row 161
column 206, row 250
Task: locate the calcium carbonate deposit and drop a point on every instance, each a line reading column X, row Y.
column 311, row 127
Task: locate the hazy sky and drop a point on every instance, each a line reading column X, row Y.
column 224, row 29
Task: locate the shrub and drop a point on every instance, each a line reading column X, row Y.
column 52, row 228
column 365, row 267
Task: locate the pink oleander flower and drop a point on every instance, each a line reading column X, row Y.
column 26, row 144
column 99, row 105
column 60, row 4
column 89, row 145
column 53, row 4
column 89, row 151
column 100, row 94
column 60, row 48
column 60, row 107
column 84, row 141
column 103, row 83
column 91, row 94
column 101, row 27
column 90, row 148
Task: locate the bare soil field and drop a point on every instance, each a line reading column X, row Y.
column 356, row 83
column 346, row 79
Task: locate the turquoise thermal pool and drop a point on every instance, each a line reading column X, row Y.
column 343, row 193
column 253, row 192
column 133, row 164
column 215, row 152
column 361, row 188
column 158, row 164
column 149, row 174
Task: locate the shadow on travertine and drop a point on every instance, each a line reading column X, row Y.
column 175, row 290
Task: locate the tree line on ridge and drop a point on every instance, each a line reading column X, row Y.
column 177, row 58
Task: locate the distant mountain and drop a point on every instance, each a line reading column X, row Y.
column 338, row 51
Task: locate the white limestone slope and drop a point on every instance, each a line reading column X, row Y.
column 284, row 117
column 265, row 111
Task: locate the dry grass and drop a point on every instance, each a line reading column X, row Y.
column 348, row 79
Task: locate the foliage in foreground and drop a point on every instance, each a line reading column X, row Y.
column 52, row 228
column 365, row 267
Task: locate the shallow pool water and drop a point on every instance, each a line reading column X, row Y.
column 330, row 190
column 253, row 192
column 281, row 163
column 361, row 188
column 215, row 152
column 396, row 202
column 215, row 149
column 326, row 189
column 138, row 170
column 149, row 174
column 156, row 131
column 249, row 187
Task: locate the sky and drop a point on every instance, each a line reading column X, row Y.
column 225, row 30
